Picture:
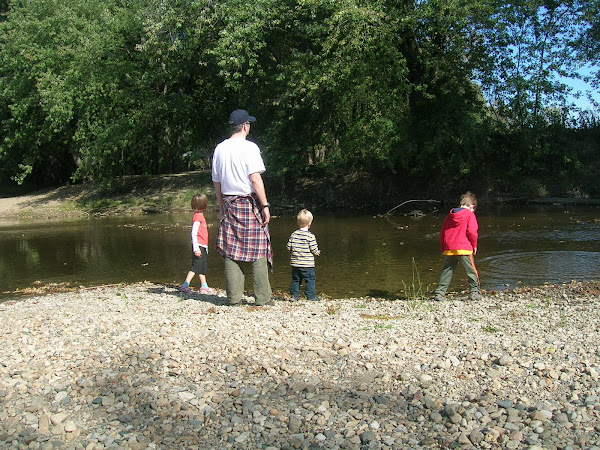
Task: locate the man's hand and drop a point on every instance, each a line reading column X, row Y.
column 266, row 215
column 259, row 189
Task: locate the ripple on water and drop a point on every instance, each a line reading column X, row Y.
column 506, row 271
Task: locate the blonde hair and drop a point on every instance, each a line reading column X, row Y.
column 304, row 218
column 199, row 202
column 468, row 199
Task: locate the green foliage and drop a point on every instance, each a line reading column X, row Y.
column 444, row 95
column 529, row 49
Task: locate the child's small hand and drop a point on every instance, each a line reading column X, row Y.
column 198, row 254
column 318, row 253
column 475, row 251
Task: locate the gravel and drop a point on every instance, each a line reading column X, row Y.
column 145, row 366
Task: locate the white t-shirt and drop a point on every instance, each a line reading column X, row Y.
column 233, row 162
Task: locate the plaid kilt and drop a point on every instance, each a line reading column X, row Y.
column 241, row 235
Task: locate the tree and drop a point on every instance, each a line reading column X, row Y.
column 589, row 45
column 61, row 69
column 423, row 92
column 532, row 44
column 97, row 89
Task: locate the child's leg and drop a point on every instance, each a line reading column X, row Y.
column 185, row 287
column 193, row 271
column 189, row 278
column 295, row 284
column 468, row 263
column 201, row 264
column 310, row 283
column 450, row 263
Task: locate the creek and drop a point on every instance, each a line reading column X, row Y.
column 361, row 255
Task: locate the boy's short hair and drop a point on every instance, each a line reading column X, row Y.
column 468, row 199
column 304, row 218
column 199, row 202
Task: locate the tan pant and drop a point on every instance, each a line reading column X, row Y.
column 235, row 276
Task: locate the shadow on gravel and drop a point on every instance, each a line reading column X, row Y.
column 215, row 299
column 150, row 397
column 174, row 291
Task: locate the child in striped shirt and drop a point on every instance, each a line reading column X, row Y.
column 303, row 247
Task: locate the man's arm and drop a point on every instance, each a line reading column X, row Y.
column 218, row 193
column 219, row 196
column 259, row 189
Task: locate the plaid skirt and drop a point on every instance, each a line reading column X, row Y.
column 241, row 235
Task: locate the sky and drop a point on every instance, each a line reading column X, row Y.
column 580, row 85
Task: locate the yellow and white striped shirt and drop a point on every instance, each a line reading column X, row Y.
column 302, row 246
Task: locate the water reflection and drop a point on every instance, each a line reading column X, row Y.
column 360, row 255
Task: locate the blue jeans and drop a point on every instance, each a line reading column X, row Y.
column 308, row 275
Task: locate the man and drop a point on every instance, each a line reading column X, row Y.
column 243, row 237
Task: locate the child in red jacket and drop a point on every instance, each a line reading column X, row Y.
column 458, row 241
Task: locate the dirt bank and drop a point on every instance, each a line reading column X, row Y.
column 127, row 195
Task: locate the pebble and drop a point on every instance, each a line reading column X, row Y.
column 146, row 367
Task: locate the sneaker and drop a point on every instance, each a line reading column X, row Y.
column 438, row 298
column 475, row 296
column 207, row 290
column 314, row 299
column 185, row 289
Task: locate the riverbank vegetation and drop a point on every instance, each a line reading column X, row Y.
column 359, row 104
column 127, row 195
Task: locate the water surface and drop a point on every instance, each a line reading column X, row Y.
column 361, row 255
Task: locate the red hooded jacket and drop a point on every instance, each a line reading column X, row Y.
column 459, row 232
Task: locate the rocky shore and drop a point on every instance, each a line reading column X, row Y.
column 144, row 366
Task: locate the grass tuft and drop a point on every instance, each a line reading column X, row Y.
column 415, row 290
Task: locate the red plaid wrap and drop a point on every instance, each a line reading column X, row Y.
column 241, row 235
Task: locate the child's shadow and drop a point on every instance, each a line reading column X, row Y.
column 382, row 294
column 173, row 290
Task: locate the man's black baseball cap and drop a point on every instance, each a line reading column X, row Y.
column 239, row 117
